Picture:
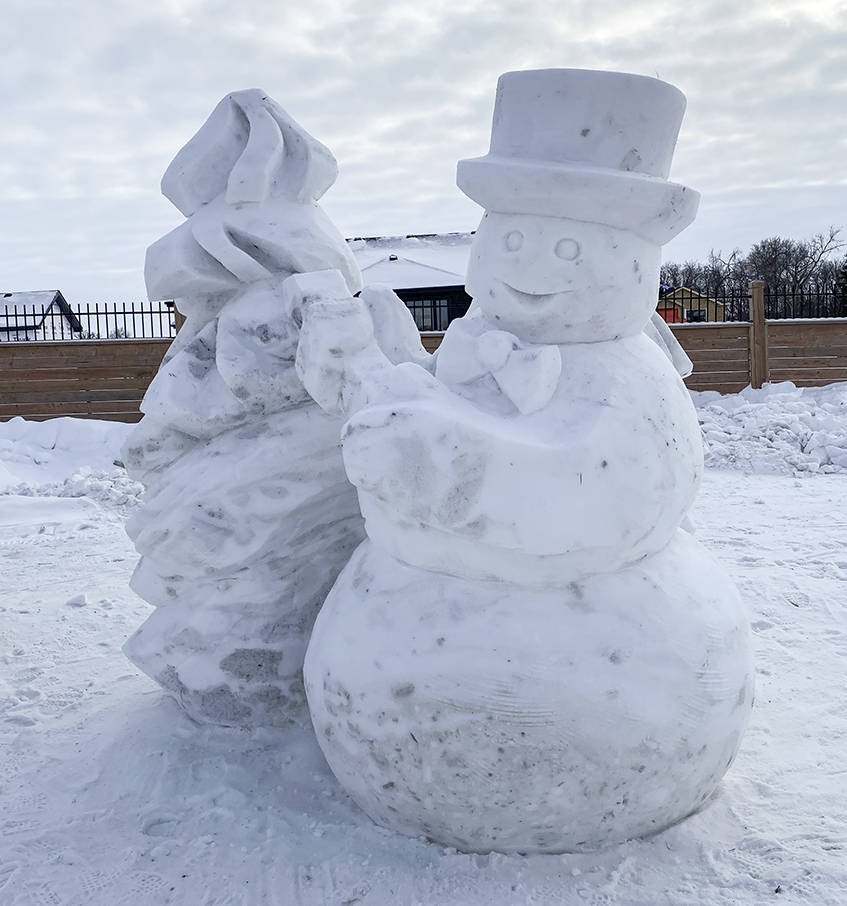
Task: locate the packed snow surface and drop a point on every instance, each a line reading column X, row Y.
column 110, row 794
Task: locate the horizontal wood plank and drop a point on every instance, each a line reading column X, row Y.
column 45, row 382
column 804, row 352
column 704, row 343
column 721, row 362
column 54, row 409
column 719, row 387
column 727, row 375
column 133, row 358
column 795, row 334
column 73, row 395
column 67, row 371
column 802, row 382
column 431, row 340
column 709, row 331
column 820, row 375
column 800, row 364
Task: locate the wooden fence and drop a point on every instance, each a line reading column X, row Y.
column 84, row 378
column 107, row 378
column 729, row 356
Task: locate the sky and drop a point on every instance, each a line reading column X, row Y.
column 99, row 95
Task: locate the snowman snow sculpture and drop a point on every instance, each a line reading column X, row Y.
column 248, row 516
column 528, row 653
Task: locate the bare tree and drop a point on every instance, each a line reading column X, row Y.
column 787, row 264
column 841, row 290
column 792, row 270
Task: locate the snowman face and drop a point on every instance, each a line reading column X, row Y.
column 553, row 280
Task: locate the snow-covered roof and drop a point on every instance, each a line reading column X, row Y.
column 40, row 298
column 24, row 312
column 403, row 262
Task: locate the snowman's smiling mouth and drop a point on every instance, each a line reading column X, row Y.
column 533, row 298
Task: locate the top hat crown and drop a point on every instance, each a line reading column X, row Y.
column 585, row 145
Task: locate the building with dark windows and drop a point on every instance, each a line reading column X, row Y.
column 427, row 273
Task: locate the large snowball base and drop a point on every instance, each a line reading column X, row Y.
column 495, row 717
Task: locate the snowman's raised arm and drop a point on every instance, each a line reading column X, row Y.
column 349, row 346
column 661, row 335
column 394, row 327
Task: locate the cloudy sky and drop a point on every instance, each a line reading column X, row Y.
column 98, row 95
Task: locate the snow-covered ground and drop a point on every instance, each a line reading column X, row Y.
column 110, row 795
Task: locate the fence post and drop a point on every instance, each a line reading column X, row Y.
column 179, row 317
column 759, row 369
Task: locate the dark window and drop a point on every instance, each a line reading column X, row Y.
column 434, row 307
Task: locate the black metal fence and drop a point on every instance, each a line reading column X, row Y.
column 102, row 321
column 781, row 303
column 685, row 305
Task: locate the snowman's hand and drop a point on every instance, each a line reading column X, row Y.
column 530, row 376
column 300, row 292
column 527, row 375
column 337, row 351
column 494, row 347
column 466, row 356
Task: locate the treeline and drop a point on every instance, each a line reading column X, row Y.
column 815, row 265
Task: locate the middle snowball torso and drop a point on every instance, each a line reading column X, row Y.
column 459, row 481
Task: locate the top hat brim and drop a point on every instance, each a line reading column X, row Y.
column 646, row 205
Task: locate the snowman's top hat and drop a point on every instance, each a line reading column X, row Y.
column 584, row 145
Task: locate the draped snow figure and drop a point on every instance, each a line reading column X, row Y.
column 248, row 516
column 529, row 652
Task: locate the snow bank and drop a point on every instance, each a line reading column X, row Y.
column 65, row 458
column 52, row 451
column 776, row 430
column 113, row 489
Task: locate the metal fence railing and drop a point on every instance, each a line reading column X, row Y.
column 783, row 303
column 684, row 305
column 102, row 321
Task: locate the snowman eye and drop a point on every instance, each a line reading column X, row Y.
column 567, row 249
column 513, row 240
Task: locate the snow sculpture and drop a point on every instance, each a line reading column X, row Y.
column 248, row 516
column 529, row 653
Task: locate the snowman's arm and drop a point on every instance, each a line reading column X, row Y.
column 659, row 332
column 394, row 327
column 339, row 359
